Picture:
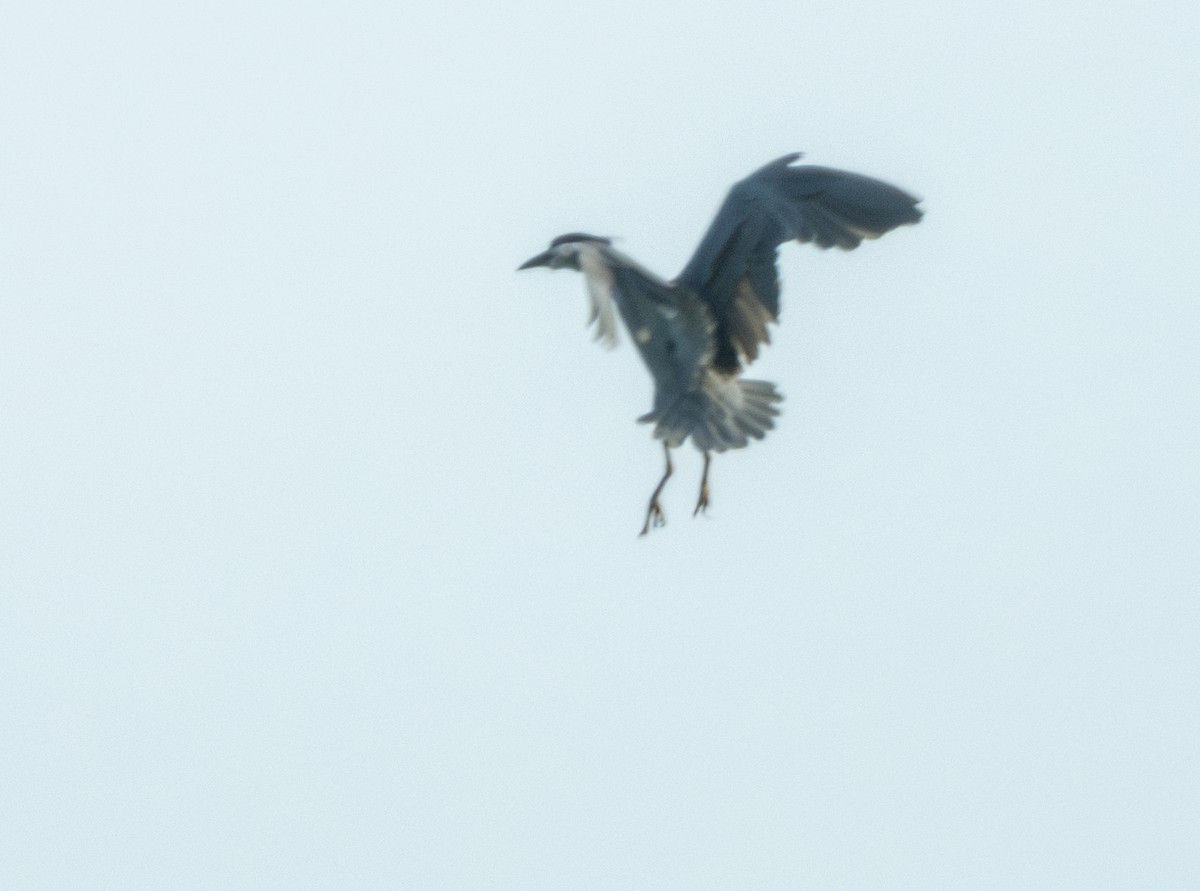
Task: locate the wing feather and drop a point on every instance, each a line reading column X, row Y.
column 734, row 271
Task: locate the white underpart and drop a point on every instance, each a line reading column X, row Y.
column 599, row 280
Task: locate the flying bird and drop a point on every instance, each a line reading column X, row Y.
column 696, row 333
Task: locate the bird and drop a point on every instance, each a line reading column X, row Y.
column 696, row 333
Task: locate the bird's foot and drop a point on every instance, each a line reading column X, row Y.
column 702, row 504
column 654, row 517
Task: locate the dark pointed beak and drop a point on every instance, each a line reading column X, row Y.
column 541, row 259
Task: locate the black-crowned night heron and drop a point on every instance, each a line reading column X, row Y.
column 694, row 333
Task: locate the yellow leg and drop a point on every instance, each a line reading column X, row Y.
column 703, row 502
column 654, row 513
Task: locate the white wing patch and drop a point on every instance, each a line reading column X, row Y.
column 599, row 280
column 750, row 319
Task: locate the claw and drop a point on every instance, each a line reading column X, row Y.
column 654, row 517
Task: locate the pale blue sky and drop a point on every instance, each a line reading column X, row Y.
column 320, row 565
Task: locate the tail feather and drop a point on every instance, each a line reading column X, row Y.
column 722, row 413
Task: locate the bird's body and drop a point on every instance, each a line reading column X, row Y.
column 673, row 332
column 695, row 333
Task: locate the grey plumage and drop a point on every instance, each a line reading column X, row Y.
column 734, row 267
column 694, row 334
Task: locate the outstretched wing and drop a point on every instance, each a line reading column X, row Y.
column 733, row 270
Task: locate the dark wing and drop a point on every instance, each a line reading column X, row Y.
column 733, row 270
column 671, row 328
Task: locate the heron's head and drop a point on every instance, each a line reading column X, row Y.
column 564, row 251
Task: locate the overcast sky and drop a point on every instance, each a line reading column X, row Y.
column 318, row 552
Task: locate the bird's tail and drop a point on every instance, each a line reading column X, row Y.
column 722, row 413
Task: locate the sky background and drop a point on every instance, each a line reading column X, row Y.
column 318, row 552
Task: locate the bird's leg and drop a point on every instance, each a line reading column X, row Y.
column 702, row 504
column 654, row 513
